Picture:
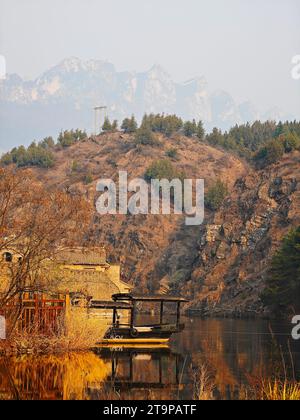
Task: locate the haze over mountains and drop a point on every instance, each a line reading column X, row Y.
column 63, row 98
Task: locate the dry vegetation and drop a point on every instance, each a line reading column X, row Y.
column 134, row 240
column 77, row 333
column 277, row 390
column 203, row 384
column 35, row 221
column 256, row 389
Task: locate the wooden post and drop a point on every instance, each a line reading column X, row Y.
column 68, row 313
column 67, row 302
column 177, row 369
column 114, row 317
column 131, row 367
column 161, row 312
column 160, row 369
column 113, row 367
column 132, row 316
column 36, row 304
column 178, row 314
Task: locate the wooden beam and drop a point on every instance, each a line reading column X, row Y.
column 132, row 316
column 114, row 316
column 178, row 314
column 161, row 312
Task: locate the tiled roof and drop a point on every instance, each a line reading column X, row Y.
column 82, row 256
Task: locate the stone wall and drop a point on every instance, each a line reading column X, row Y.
column 99, row 284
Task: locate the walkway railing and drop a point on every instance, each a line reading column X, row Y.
column 35, row 311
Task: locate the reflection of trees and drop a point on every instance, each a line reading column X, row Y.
column 232, row 350
column 112, row 375
column 213, row 355
column 51, row 377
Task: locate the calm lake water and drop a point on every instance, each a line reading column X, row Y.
column 233, row 352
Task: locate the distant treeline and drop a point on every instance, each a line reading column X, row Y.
column 41, row 154
column 261, row 143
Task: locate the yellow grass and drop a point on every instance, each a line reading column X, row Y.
column 279, row 391
column 79, row 333
column 275, row 389
column 203, row 384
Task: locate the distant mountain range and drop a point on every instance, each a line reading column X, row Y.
column 63, row 98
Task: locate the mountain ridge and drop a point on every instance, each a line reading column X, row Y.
column 64, row 96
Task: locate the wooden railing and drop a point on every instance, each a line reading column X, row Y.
column 38, row 312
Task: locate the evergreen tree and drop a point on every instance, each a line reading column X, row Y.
column 47, row 143
column 190, row 128
column 79, row 135
column 126, row 125
column 271, row 153
column 170, row 124
column 200, row 131
column 7, row 159
column 290, row 141
column 129, row 125
column 279, row 130
column 114, row 125
column 145, row 136
column 216, row 195
column 160, row 123
column 216, row 138
column 163, row 169
column 282, row 292
column 19, row 156
column 172, row 153
column 107, row 126
column 68, row 137
column 132, row 124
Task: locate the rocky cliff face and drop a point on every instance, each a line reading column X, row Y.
column 236, row 246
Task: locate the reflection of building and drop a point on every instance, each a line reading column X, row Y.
column 140, row 374
column 145, row 368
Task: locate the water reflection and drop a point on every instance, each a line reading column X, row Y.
column 233, row 351
column 144, row 374
column 238, row 351
column 51, row 377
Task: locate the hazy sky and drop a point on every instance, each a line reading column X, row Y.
column 243, row 46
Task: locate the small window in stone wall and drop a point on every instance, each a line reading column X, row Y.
column 8, row 257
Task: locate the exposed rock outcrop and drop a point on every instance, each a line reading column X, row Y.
column 235, row 250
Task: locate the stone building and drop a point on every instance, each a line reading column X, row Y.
column 7, row 258
column 87, row 271
column 78, row 271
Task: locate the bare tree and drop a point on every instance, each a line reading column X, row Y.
column 34, row 222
